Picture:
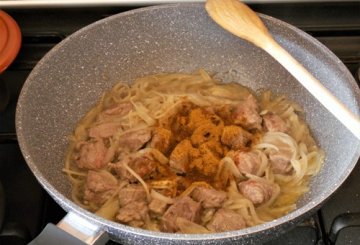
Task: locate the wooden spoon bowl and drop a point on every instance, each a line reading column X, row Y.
column 241, row 21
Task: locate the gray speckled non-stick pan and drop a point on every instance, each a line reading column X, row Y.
column 68, row 81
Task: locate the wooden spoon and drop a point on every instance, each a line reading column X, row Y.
column 241, row 21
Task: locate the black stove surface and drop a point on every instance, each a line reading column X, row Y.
column 28, row 208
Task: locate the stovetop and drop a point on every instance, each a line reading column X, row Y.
column 28, row 208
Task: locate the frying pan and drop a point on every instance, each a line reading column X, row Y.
column 69, row 80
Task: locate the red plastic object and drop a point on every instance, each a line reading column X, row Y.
column 10, row 40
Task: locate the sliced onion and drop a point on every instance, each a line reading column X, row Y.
column 141, row 110
column 227, row 164
column 156, row 195
column 266, row 145
column 76, row 173
column 204, row 75
column 111, row 206
column 186, row 226
column 193, row 186
column 139, row 179
column 230, row 165
column 156, row 154
column 264, row 162
column 109, row 209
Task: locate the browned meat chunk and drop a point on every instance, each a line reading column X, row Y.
column 133, row 214
column 235, row 137
column 104, row 130
column 99, row 187
column 144, row 166
column 130, row 194
column 204, row 133
column 200, row 116
column 226, row 220
column 180, row 128
column 185, row 208
column 161, row 139
column 257, row 192
column 179, row 122
column 280, row 162
column 225, row 112
column 246, row 114
column 206, row 159
column 247, row 162
column 209, row 198
column 91, row 155
column 274, row 123
column 179, row 158
column 197, row 117
column 157, row 207
column 133, row 141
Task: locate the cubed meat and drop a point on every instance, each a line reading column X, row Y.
column 258, row 192
column 226, row 220
column 179, row 158
column 204, row 133
column 157, row 206
column 180, row 128
column 209, row 198
column 133, row 214
column 99, row 187
column 104, row 130
column 274, row 123
column 198, row 117
column 226, row 113
column 246, row 114
column 247, row 162
column 235, row 137
column 133, row 141
column 144, row 166
column 186, row 208
column 280, row 162
column 206, row 158
column 161, row 139
column 91, row 155
column 179, row 122
column 130, row 194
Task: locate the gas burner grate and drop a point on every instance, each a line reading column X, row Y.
column 29, row 208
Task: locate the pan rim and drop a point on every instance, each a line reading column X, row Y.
column 68, row 205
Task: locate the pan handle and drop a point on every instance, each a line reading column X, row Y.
column 72, row 229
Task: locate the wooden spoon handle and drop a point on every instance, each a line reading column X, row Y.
column 322, row 94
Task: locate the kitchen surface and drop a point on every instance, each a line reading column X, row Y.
column 26, row 208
